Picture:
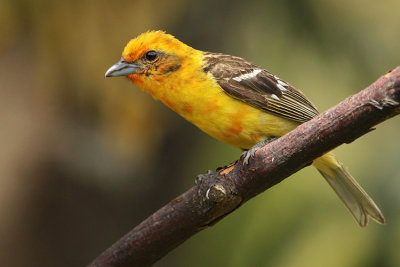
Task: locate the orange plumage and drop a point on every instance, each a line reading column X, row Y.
column 232, row 100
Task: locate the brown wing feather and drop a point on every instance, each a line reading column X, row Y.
column 258, row 88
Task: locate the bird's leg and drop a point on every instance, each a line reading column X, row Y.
column 250, row 153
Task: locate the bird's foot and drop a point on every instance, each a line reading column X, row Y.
column 250, row 153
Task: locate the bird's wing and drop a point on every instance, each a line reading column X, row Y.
column 258, row 88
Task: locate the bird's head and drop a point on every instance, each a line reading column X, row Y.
column 151, row 56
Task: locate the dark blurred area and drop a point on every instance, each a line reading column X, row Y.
column 84, row 159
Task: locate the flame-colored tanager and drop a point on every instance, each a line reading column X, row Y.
column 232, row 100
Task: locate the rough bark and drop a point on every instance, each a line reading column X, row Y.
column 216, row 194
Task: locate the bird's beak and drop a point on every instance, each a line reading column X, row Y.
column 122, row 68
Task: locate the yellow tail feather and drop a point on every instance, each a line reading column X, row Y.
column 349, row 191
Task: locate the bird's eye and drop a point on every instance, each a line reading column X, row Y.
column 151, row 56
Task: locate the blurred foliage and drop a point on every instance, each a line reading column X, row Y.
column 83, row 159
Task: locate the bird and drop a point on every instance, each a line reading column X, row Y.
column 234, row 101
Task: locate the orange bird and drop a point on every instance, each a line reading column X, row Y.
column 232, row 100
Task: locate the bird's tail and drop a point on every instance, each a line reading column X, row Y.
column 350, row 192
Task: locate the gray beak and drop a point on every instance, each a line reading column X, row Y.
column 122, row 68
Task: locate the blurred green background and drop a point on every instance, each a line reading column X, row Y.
column 84, row 159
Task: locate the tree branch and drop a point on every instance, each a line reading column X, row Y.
column 219, row 193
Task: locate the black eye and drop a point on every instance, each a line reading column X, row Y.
column 151, row 55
